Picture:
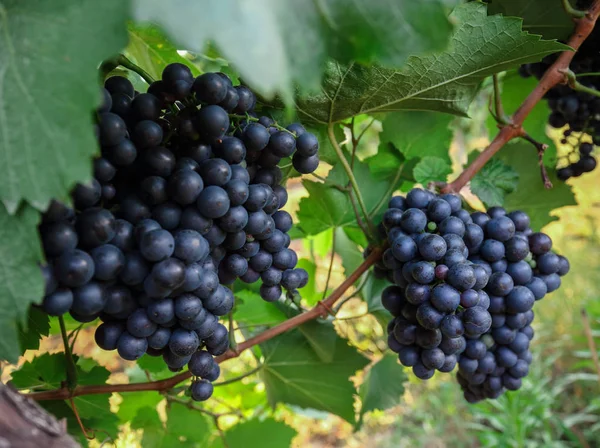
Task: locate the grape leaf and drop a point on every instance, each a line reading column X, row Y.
column 47, row 372
column 49, row 58
column 418, row 134
column 150, row 49
column 21, row 281
column 293, row 373
column 494, row 182
column 155, row 435
column 276, row 42
column 192, row 426
column 184, row 427
column 545, row 17
column 431, row 169
column 132, row 403
column 310, row 293
column 348, row 251
column 38, row 325
column 327, row 206
column 530, row 194
column 371, row 294
column 42, row 372
column 383, row 386
column 270, row 432
column 444, row 82
column 253, row 310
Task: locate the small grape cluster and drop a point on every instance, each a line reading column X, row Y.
column 576, row 111
column 437, row 298
column 463, row 289
column 185, row 200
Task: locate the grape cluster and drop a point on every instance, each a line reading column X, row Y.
column 463, row 289
column 527, row 271
column 437, row 298
column 185, row 200
column 577, row 113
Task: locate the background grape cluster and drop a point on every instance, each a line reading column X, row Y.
column 577, row 112
column 185, row 200
column 464, row 285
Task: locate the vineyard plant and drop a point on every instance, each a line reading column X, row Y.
column 285, row 223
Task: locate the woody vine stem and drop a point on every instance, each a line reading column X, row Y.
column 556, row 74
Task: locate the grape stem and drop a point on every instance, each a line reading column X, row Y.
column 541, row 149
column 71, row 369
column 573, row 12
column 320, row 310
column 576, row 85
column 123, row 61
column 351, row 177
column 554, row 75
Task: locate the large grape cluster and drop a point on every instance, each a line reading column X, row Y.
column 576, row 112
column 185, row 200
column 463, row 289
column 437, row 298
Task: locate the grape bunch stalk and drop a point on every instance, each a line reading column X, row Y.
column 576, row 113
column 186, row 199
column 464, row 285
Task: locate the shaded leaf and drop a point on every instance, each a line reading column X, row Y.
column 530, row 195
column 270, row 432
column 253, row 310
column 293, row 373
column 371, row 294
column 327, row 206
column 21, row 280
column 47, row 134
column 431, row 169
column 514, row 88
column 383, row 385
column 309, row 293
column 38, row 325
column 493, row 182
column 348, row 250
column 545, row 17
column 418, row 134
column 444, row 82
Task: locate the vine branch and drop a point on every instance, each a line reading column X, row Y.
column 554, row 75
column 320, row 310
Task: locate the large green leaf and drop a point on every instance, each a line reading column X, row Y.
column 21, row 282
column 294, row 373
column 49, row 57
column 530, row 195
column 267, row 433
column 383, row 385
column 327, row 206
column 493, row 182
column 444, row 82
column 545, row 17
column 275, row 42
